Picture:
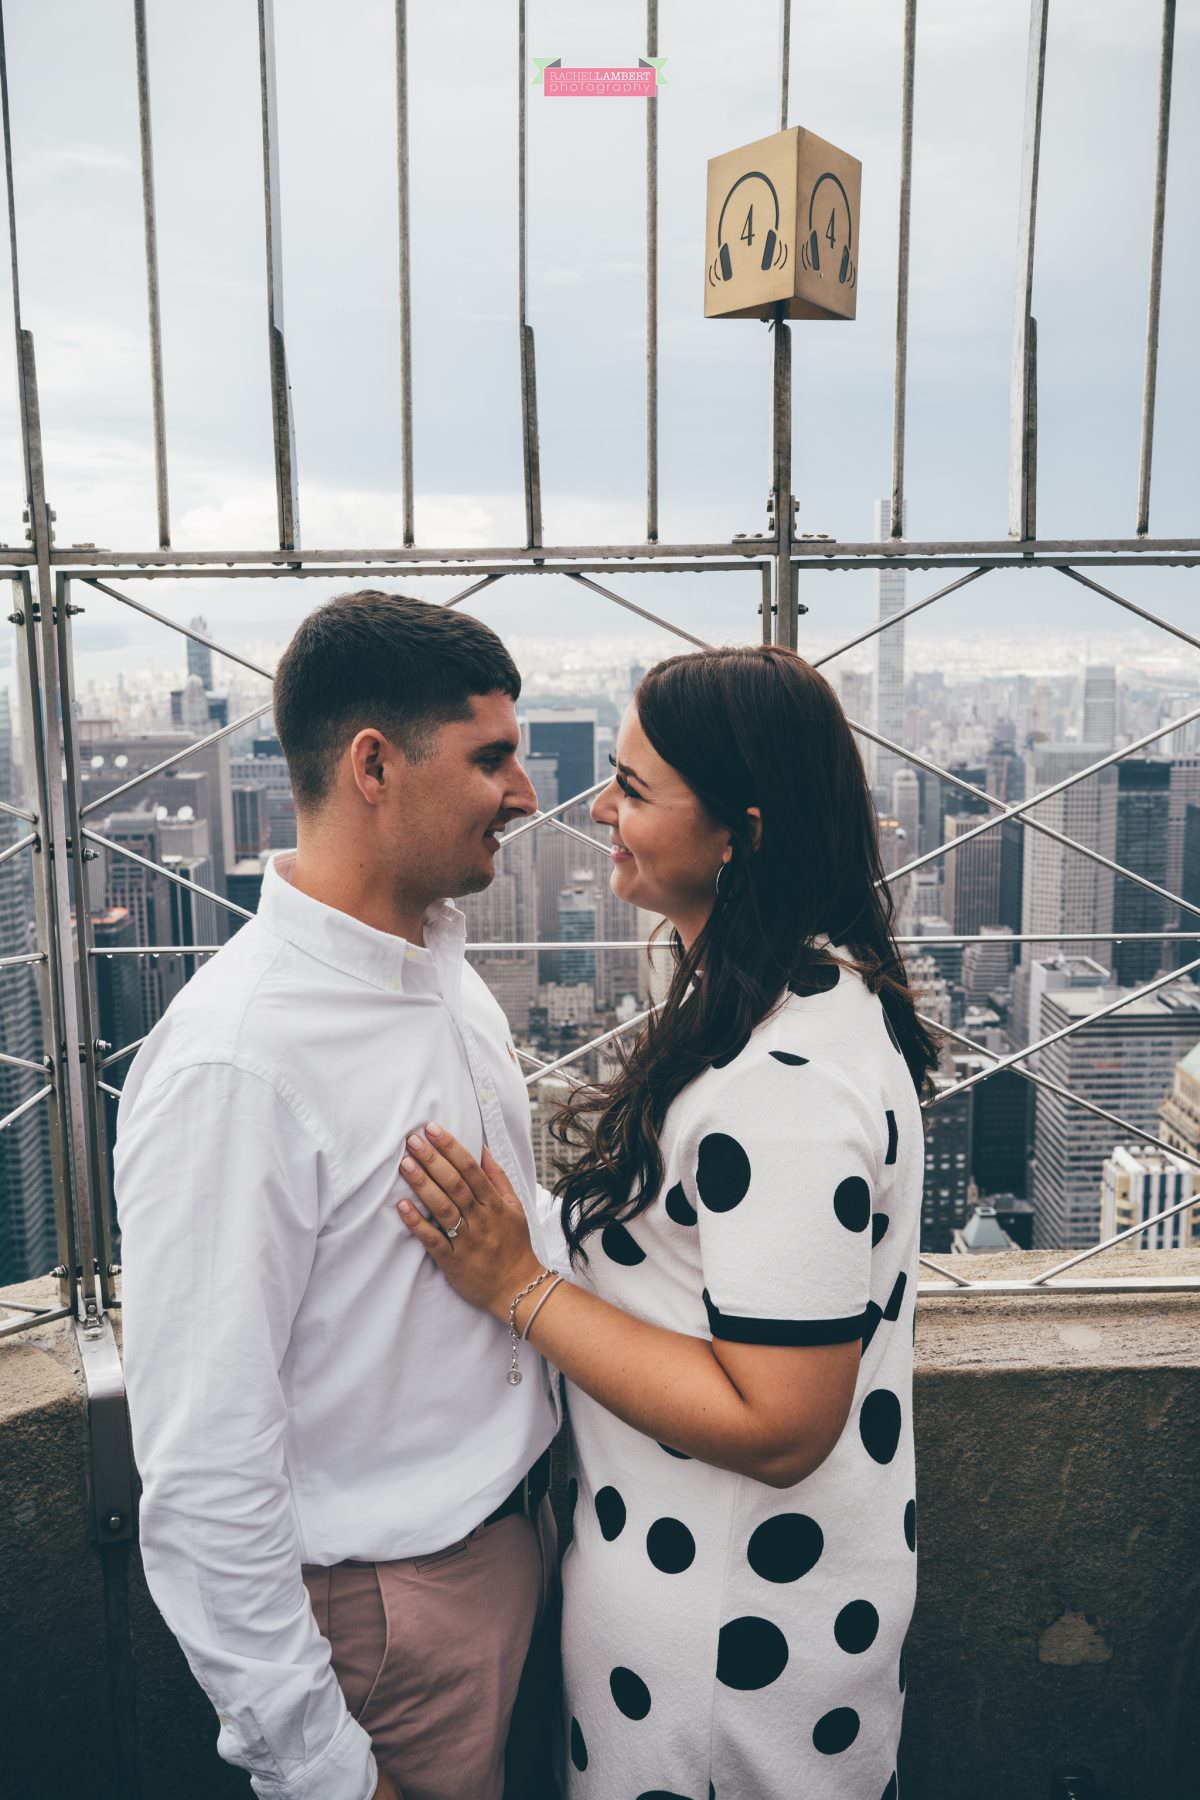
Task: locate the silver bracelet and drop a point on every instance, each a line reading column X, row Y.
column 514, row 1372
column 537, row 1309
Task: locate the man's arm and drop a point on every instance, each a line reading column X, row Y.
column 216, row 1182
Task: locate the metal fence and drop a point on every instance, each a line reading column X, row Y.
column 48, row 582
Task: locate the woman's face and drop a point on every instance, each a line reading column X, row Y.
column 666, row 850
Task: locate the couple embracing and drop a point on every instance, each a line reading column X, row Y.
column 353, row 1321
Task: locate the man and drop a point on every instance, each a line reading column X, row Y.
column 336, row 1521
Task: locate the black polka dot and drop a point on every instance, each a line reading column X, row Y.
column 879, row 1225
column 879, row 1424
column 670, row 1546
column 891, row 1791
column 891, row 1030
column 896, row 1297
column 572, row 1497
column 751, row 1653
column 793, row 1062
column 722, row 1172
column 786, row 1547
column 903, row 1673
column 578, row 1747
column 818, row 978
column 856, row 1627
column 610, row 1510
column 661, row 1794
column 852, row 1203
column 910, row 1524
column 836, row 1731
column 893, row 1136
column 681, row 1454
column 723, row 1062
column 873, row 1315
column 621, row 1247
column 679, row 1207
column 630, row 1693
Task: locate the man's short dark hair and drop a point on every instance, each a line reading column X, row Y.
column 369, row 658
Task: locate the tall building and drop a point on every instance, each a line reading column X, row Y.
column 251, row 831
column 972, row 876
column 27, row 1240
column 199, row 656
column 1137, row 1182
column 267, row 769
column 889, row 669
column 947, row 1165
column 568, row 733
column 1064, row 892
column 1125, row 1063
column 1100, row 706
column 1184, row 792
column 1179, row 1118
column 1143, row 808
column 987, row 968
column 577, row 907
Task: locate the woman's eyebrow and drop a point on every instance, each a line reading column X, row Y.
column 625, row 769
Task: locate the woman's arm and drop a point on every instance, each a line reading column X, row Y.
column 770, row 1412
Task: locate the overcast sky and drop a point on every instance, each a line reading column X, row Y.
column 71, row 74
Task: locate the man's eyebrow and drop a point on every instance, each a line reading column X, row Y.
column 509, row 746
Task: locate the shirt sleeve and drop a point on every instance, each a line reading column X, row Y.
column 217, row 1196
column 781, row 1169
column 546, row 1229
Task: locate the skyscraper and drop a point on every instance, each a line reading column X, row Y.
column 1100, row 706
column 1143, row 806
column 1062, row 890
column 889, row 669
column 199, row 656
column 569, row 733
column 1124, row 1062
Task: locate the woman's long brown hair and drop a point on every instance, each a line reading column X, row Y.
column 743, row 727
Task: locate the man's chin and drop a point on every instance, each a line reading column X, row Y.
column 474, row 880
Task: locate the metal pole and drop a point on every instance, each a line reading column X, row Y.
column 150, row 231
column 402, row 189
column 282, row 425
column 1154, row 302
column 652, row 287
column 530, row 455
column 785, row 59
column 1021, row 523
column 786, row 607
column 900, row 378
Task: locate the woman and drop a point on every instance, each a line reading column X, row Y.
column 742, row 1216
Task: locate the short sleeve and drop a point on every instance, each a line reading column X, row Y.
column 782, row 1162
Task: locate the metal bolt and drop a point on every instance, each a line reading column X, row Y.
column 115, row 1521
column 91, row 855
column 101, row 1046
column 71, row 608
column 16, row 618
column 114, row 1268
column 59, row 1272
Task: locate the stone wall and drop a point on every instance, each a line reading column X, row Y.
column 1058, row 1485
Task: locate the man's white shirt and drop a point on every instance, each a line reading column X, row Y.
column 304, row 1386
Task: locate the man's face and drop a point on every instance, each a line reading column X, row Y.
column 443, row 815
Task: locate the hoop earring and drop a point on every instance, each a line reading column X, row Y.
column 721, row 867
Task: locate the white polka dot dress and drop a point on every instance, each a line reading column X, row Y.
column 723, row 1639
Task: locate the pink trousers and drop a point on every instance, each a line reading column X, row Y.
column 429, row 1651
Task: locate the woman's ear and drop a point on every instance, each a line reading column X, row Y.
column 754, row 814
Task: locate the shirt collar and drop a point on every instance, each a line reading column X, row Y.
column 345, row 943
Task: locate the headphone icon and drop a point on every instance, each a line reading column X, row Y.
column 811, row 253
column 770, row 242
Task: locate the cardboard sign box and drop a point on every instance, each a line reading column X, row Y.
column 782, row 229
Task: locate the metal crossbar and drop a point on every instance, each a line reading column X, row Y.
column 42, row 574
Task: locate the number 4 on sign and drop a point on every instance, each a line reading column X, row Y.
column 747, row 233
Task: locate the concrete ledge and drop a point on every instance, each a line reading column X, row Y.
column 1058, row 1485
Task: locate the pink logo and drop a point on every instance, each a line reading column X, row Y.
column 641, row 82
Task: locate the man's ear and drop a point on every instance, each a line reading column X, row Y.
column 370, row 760
column 754, row 814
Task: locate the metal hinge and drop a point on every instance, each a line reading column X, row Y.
column 110, row 1465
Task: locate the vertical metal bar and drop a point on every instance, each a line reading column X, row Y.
column 785, row 59
column 150, row 230
column 402, row 189
column 786, row 611
column 765, row 604
column 900, row 379
column 1019, row 524
column 12, row 207
column 530, row 458
column 652, row 287
column 95, row 1133
column 1154, row 302
column 283, row 429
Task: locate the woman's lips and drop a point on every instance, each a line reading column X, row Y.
column 620, row 854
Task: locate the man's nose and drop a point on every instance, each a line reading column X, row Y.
column 523, row 796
